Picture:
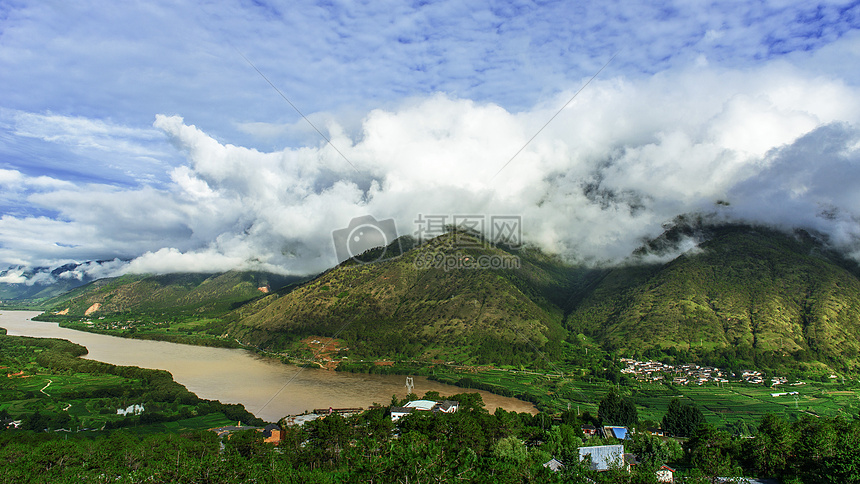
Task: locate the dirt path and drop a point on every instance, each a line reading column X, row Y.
column 46, row 386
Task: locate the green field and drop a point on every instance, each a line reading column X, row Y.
column 722, row 405
column 184, row 330
column 45, row 384
column 203, row 422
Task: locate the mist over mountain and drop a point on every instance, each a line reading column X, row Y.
column 19, row 283
column 773, row 143
column 732, row 295
column 743, row 295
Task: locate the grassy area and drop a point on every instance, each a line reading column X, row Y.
column 45, row 385
column 193, row 331
column 724, row 406
column 203, row 422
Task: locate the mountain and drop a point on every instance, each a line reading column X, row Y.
column 40, row 283
column 741, row 296
column 181, row 294
column 744, row 295
column 401, row 308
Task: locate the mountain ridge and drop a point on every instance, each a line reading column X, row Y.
column 417, row 312
column 745, row 290
column 741, row 295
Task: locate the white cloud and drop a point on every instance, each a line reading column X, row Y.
column 777, row 141
column 83, row 133
column 14, row 277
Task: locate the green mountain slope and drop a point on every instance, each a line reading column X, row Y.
column 748, row 294
column 393, row 308
column 743, row 297
column 173, row 294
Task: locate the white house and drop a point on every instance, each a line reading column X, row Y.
column 602, row 457
column 447, row 406
column 665, row 474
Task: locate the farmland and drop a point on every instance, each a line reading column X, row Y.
column 45, row 385
column 732, row 405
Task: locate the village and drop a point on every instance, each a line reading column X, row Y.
column 687, row 374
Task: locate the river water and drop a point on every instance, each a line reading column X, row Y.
column 268, row 388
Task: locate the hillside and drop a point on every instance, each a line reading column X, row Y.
column 393, row 308
column 171, row 294
column 744, row 295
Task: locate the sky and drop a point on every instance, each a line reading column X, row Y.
column 166, row 136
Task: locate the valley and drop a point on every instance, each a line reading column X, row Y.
column 770, row 318
column 546, row 333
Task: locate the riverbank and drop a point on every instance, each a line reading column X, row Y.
column 266, row 386
column 311, row 352
column 51, row 387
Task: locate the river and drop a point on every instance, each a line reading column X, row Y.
column 266, row 387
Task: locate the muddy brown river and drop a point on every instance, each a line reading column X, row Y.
column 268, row 388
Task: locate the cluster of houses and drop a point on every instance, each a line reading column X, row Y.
column 130, row 410
column 605, row 457
column 273, row 433
column 597, row 457
column 122, row 325
column 691, row 374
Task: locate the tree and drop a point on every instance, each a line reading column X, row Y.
column 844, row 466
column 649, row 449
column 713, row 451
column 512, row 449
column 682, row 419
column 615, row 410
column 772, row 449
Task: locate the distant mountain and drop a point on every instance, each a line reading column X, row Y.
column 41, row 283
column 180, row 294
column 744, row 294
column 394, row 308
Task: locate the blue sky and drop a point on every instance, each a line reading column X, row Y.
column 138, row 131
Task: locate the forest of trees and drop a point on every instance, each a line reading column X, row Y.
column 471, row 445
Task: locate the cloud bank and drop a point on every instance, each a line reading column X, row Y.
column 779, row 143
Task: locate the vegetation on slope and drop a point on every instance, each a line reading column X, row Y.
column 746, row 296
column 743, row 297
column 400, row 307
column 180, row 294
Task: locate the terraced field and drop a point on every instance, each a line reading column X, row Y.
column 722, row 405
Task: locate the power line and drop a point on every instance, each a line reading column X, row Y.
column 554, row 116
column 295, row 108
